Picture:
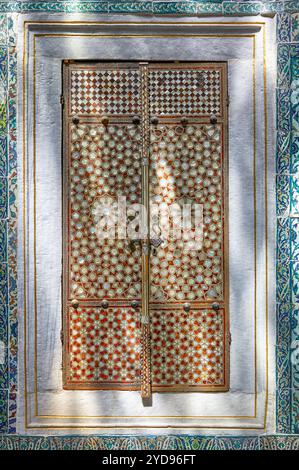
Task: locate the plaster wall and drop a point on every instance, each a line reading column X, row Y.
column 248, row 47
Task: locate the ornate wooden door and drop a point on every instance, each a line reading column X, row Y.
column 145, row 311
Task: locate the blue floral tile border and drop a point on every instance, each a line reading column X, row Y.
column 287, row 200
column 170, row 442
column 156, row 7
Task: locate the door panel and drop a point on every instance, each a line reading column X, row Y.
column 102, row 163
column 187, row 348
column 148, row 313
column 186, row 166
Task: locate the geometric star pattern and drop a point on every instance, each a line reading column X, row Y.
column 104, row 345
column 104, row 164
column 186, row 165
column 187, row 348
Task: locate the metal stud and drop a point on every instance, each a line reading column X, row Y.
column 75, row 120
column 184, row 121
column 215, row 306
column 154, row 120
column 186, row 307
column 104, row 304
column 135, row 304
column 104, row 120
column 136, row 120
column 213, row 119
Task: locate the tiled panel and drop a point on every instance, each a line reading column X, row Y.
column 104, row 346
column 112, row 92
column 187, row 167
column 188, row 348
column 104, row 164
column 284, row 401
column 185, row 92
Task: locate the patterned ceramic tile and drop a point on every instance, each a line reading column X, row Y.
column 242, row 8
column 3, row 198
column 294, row 195
column 283, row 238
column 295, row 26
column 283, row 28
column 3, row 411
column 294, row 239
column 283, row 66
column 283, row 195
column 283, row 281
column 3, row 241
column 272, row 6
column 279, row 443
column 3, row 29
column 169, row 442
column 3, row 325
column 63, row 6
column 130, row 7
column 209, row 8
column 3, row 155
column 217, row 443
column 162, row 8
column 294, row 273
column 291, row 6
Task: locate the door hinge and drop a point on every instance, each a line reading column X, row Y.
column 230, row 338
column 61, row 336
column 227, row 100
column 62, row 100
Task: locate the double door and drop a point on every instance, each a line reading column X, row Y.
column 144, row 226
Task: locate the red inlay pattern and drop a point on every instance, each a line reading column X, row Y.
column 104, row 345
column 187, row 348
column 186, row 167
column 104, row 164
